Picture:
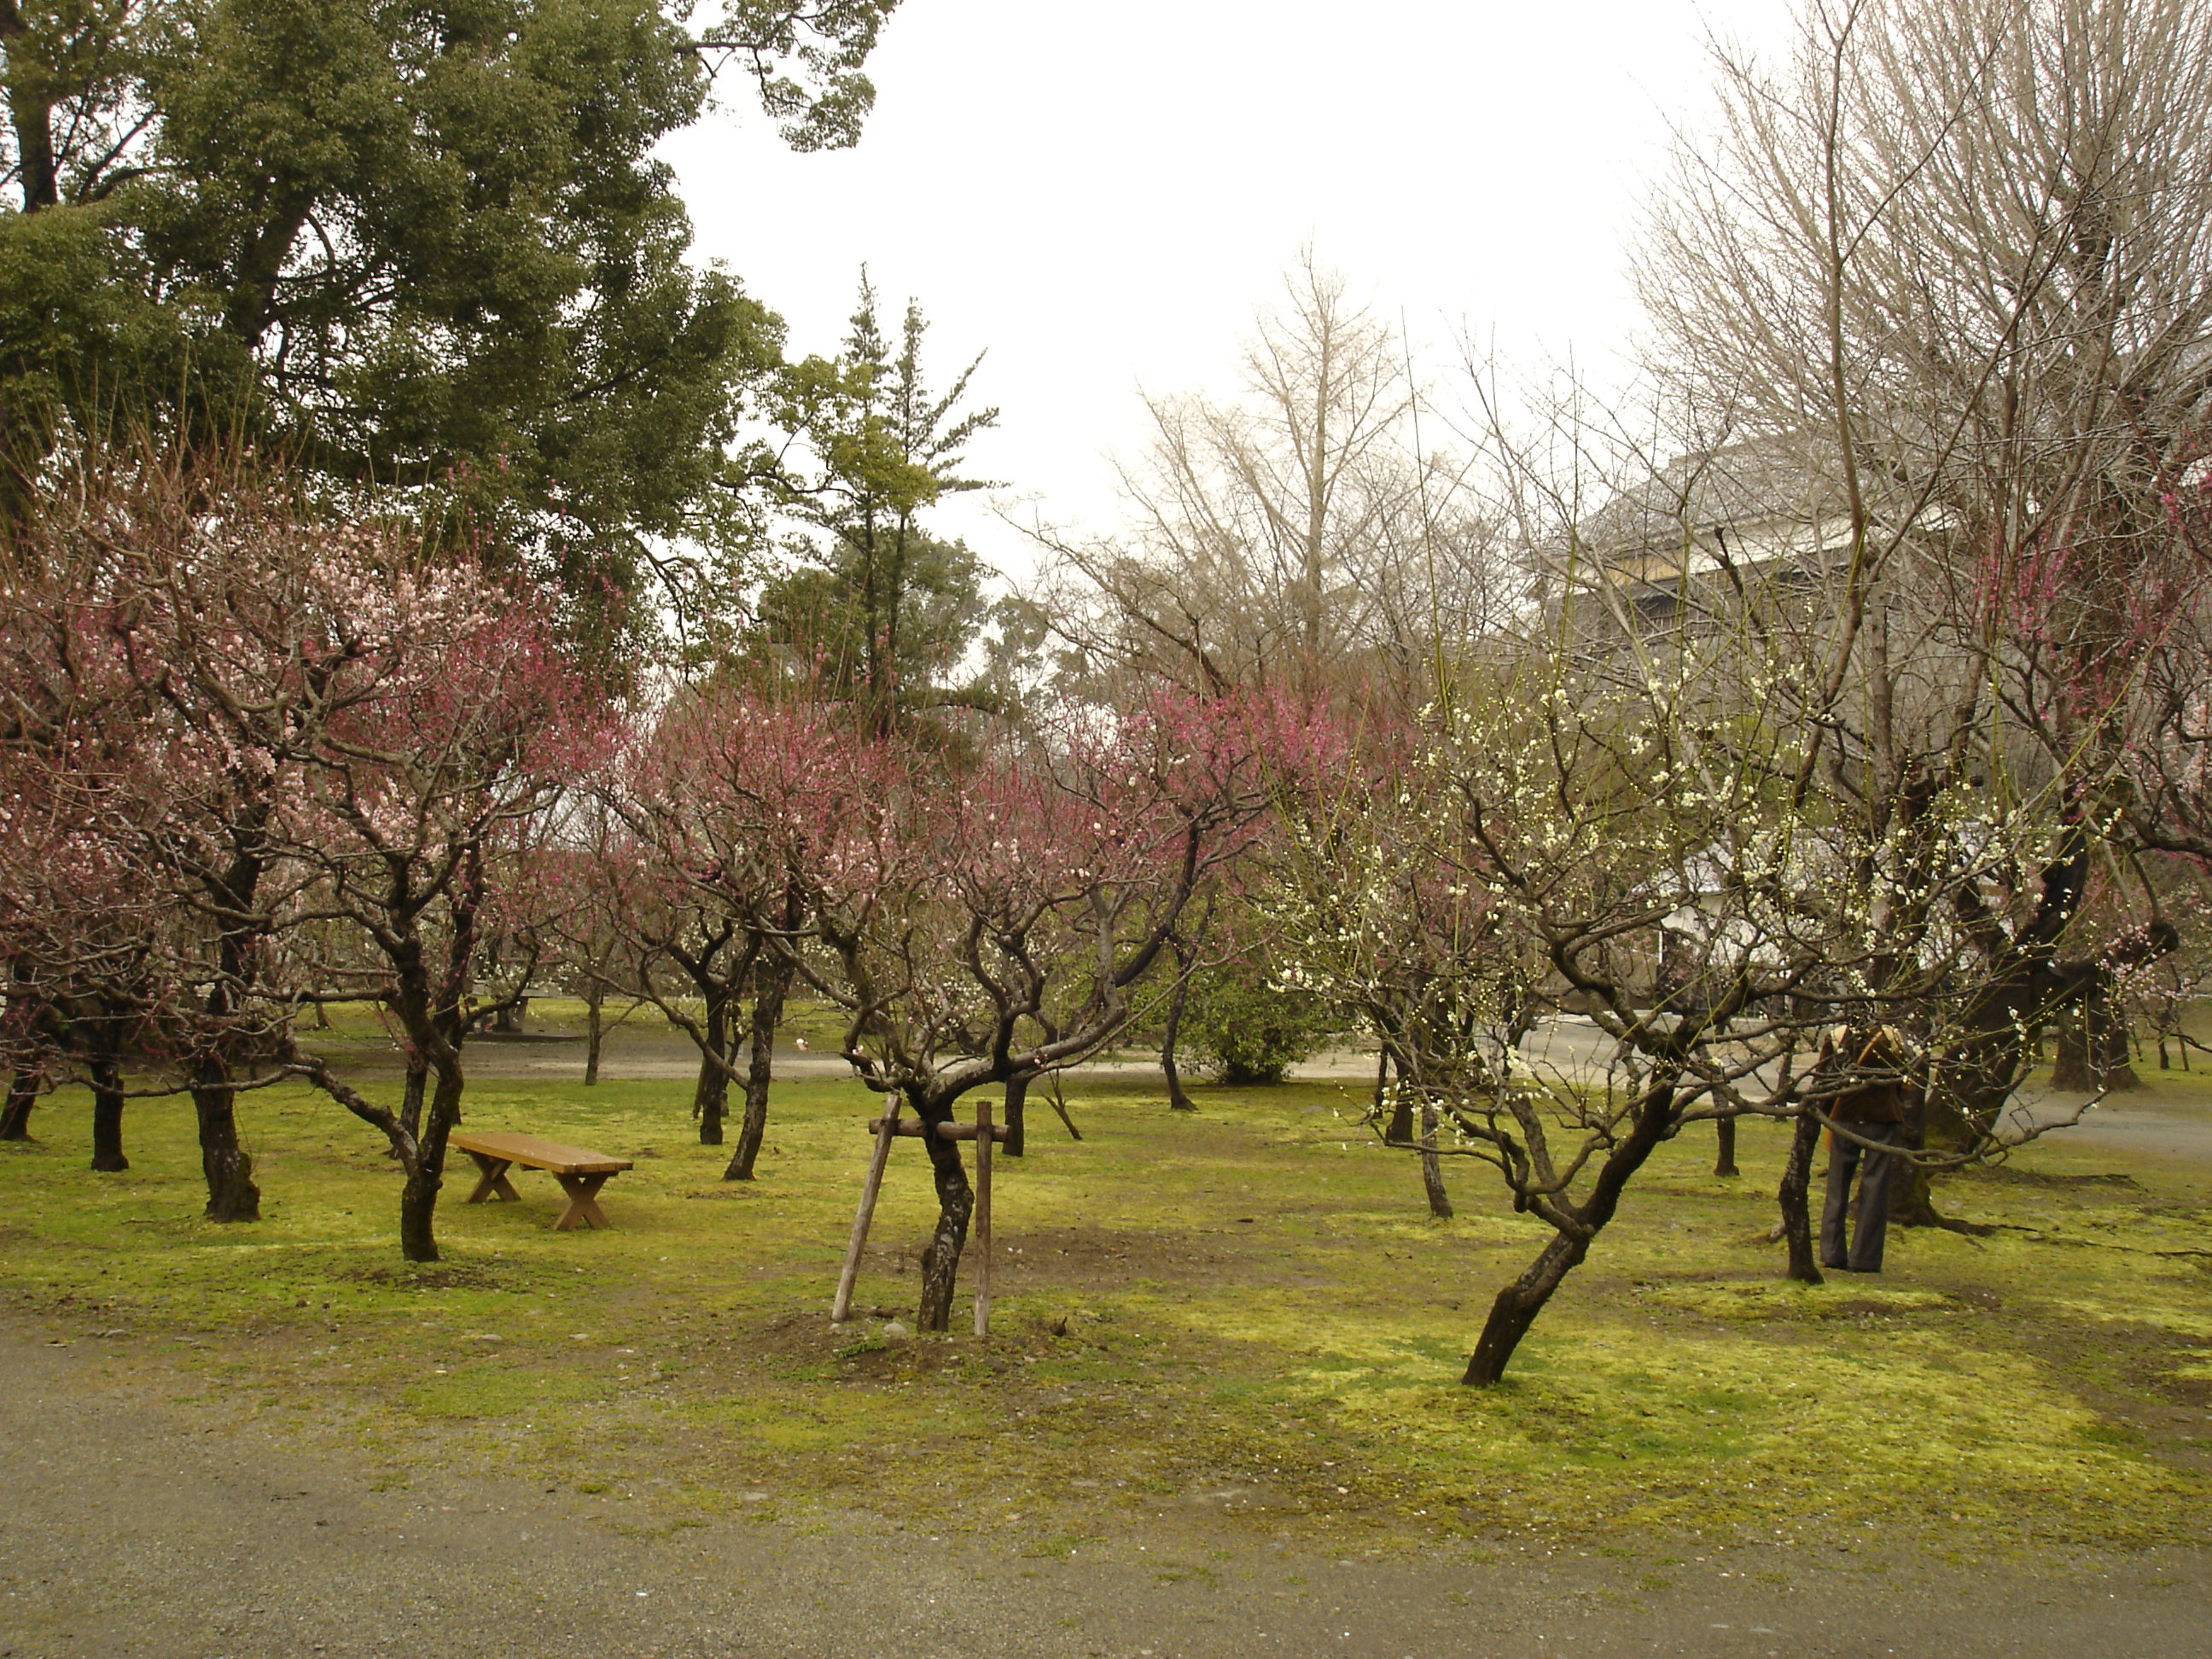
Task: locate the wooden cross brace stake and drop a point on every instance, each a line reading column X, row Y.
column 985, row 1135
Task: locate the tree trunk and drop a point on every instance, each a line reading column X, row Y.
column 1517, row 1305
column 760, row 1068
column 232, row 1196
column 24, row 1018
column 23, row 1096
column 1177, row 1100
column 956, row 1201
column 31, row 115
column 1059, row 1108
column 107, row 1115
column 224, row 1163
column 2093, row 1048
column 595, row 1037
column 1017, row 1101
column 418, row 1209
column 712, row 1097
column 1724, row 1148
column 1912, row 1189
column 1432, row 1167
column 412, row 1093
column 1399, row 1131
column 418, row 1198
column 1794, row 1197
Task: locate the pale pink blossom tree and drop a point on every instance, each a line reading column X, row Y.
column 454, row 720
column 985, row 925
column 712, row 898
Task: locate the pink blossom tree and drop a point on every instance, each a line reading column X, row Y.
column 711, row 894
column 987, row 925
column 452, row 721
column 155, row 596
column 246, row 735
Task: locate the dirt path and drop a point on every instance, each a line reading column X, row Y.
column 135, row 1526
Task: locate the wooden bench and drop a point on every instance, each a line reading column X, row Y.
column 581, row 1174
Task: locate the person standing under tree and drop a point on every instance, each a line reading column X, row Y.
column 1871, row 1107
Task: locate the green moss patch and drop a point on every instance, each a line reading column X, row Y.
column 1243, row 1317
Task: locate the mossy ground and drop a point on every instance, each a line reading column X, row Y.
column 1239, row 1318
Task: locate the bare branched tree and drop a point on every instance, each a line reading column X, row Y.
column 1958, row 261
column 1294, row 531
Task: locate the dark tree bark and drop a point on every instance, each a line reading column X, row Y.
column 31, row 114
column 107, row 1115
column 1577, row 1226
column 595, row 1034
column 1432, row 1167
column 760, row 1063
column 2093, row 1046
column 1177, row 1099
column 1794, row 1195
column 232, row 1196
column 426, row 1174
column 414, row 1091
column 1018, row 1101
column 23, row 1096
column 710, row 1101
column 1398, row 1131
column 2009, row 1010
column 1724, row 1147
column 1913, row 1190
column 956, row 1202
column 1059, row 1109
column 231, row 891
column 27, row 1018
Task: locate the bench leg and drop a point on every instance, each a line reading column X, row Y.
column 583, row 1201
column 492, row 1181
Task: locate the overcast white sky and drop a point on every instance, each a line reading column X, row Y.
column 1101, row 197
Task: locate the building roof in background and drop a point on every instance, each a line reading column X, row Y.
column 1750, row 502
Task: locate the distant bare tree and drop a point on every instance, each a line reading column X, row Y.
column 1294, row 533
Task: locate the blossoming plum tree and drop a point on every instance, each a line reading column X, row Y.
column 989, row 924
column 452, row 720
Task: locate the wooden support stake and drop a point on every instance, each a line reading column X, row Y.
column 984, row 1141
column 885, row 1127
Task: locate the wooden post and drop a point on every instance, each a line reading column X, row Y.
column 886, row 1126
column 984, row 1138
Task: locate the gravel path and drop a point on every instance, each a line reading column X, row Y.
column 136, row 1526
column 2150, row 1121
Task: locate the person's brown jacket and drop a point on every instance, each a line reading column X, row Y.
column 1875, row 1102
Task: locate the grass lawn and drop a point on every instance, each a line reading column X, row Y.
column 1243, row 1318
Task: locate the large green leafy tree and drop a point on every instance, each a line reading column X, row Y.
column 424, row 246
column 885, row 612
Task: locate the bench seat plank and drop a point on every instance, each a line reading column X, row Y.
column 534, row 1152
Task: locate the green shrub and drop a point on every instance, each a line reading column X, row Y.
column 1244, row 1031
